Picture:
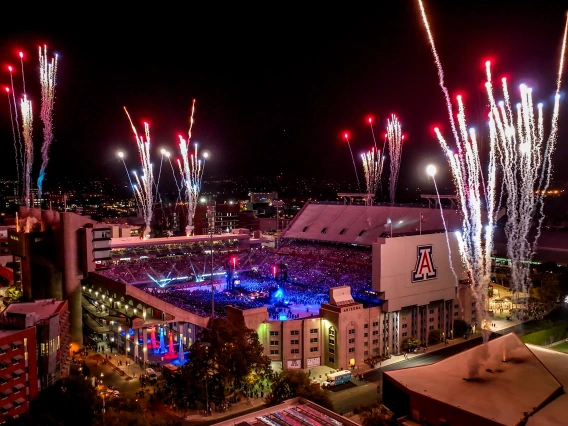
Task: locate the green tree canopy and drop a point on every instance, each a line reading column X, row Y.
column 226, row 355
column 410, row 343
column 292, row 383
column 434, row 336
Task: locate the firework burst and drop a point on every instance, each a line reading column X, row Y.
column 372, row 167
column 47, row 72
column 144, row 186
column 191, row 169
column 394, row 136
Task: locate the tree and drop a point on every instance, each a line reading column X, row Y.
column 375, row 415
column 73, row 401
column 68, row 402
column 460, row 328
column 226, row 355
column 292, row 383
column 13, row 295
column 434, row 336
column 410, row 343
column 122, row 412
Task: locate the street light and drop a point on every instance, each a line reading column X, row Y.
column 207, row 345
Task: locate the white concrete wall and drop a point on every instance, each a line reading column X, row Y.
column 394, row 260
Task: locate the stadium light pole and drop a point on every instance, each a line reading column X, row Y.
column 277, row 202
column 212, row 282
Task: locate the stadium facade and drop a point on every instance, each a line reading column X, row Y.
column 411, row 269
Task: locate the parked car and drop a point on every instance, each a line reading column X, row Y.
column 152, row 376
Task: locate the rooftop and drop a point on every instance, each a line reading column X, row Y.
column 43, row 308
column 480, row 382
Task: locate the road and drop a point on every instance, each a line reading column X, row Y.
column 344, row 401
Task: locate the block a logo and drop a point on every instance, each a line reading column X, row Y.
column 424, row 269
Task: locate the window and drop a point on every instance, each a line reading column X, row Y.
column 375, row 332
column 274, row 333
column 366, row 326
column 274, row 352
column 314, row 340
column 274, row 343
column 313, row 349
column 473, row 304
column 366, row 344
column 295, row 333
column 331, row 350
column 351, row 350
column 352, row 331
column 473, row 312
column 431, row 311
column 404, row 334
column 456, row 306
column 404, row 325
column 294, row 342
column 455, row 314
column 366, row 335
column 431, row 320
column 351, row 341
column 375, row 341
column 332, row 341
column 313, row 330
column 295, row 351
column 376, row 324
column 431, row 327
column 331, row 360
column 332, row 331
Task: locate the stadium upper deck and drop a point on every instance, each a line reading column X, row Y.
column 362, row 225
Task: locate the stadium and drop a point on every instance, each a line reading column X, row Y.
column 345, row 285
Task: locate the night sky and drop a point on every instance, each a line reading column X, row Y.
column 275, row 86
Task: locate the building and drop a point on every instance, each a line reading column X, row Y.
column 52, row 253
column 50, row 320
column 404, row 250
column 263, row 197
column 18, row 371
column 34, row 352
column 296, row 411
column 501, row 382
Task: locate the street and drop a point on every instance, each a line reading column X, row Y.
column 366, row 391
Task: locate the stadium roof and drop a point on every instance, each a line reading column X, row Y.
column 362, row 225
column 496, row 390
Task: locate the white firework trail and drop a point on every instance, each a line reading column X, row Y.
column 18, row 133
column 144, row 184
column 47, row 73
column 191, row 169
column 468, row 178
column 372, row 168
column 27, row 131
column 394, row 136
column 16, row 145
column 445, row 227
column 526, row 169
